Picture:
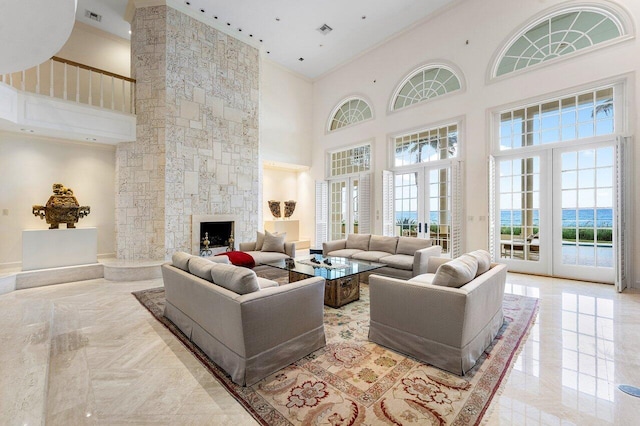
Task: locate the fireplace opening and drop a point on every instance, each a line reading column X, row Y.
column 218, row 234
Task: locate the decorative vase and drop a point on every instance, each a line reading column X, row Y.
column 289, row 207
column 274, row 206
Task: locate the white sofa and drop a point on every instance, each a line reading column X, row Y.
column 404, row 257
column 446, row 326
column 268, row 248
column 249, row 326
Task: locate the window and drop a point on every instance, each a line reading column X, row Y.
column 559, row 34
column 428, row 145
column 579, row 116
column 350, row 161
column 425, row 83
column 349, row 112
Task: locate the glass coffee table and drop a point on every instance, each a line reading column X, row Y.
column 342, row 276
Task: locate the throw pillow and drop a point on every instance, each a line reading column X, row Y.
column 201, row 267
column 409, row 245
column 456, row 273
column 235, row 278
column 180, row 260
column 357, row 241
column 484, row 260
column 274, row 242
column 259, row 240
column 385, row 244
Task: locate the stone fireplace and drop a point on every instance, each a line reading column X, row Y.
column 220, row 229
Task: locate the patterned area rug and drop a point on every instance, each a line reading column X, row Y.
column 352, row 381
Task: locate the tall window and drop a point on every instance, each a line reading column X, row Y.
column 349, row 187
column 557, row 185
column 425, row 188
column 559, row 34
column 425, row 83
column 349, row 112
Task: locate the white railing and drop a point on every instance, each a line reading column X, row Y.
column 72, row 81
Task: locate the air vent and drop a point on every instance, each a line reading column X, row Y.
column 325, row 29
column 92, row 15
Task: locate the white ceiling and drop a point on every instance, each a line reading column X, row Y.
column 33, row 31
column 294, row 36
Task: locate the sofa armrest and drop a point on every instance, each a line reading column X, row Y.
column 431, row 312
column 290, row 249
column 421, row 259
column 250, row 246
column 277, row 314
column 329, row 246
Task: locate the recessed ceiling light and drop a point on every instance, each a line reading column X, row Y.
column 322, row 45
column 202, row 10
column 268, row 52
column 250, row 35
column 260, row 40
column 277, row 19
column 188, row 3
column 240, row 29
column 215, row 17
column 301, row 59
column 364, row 17
column 228, row 24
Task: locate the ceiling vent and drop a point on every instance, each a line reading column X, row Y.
column 325, row 29
column 92, row 15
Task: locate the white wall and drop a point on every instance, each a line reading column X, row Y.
column 90, row 46
column 486, row 24
column 285, row 115
column 29, row 166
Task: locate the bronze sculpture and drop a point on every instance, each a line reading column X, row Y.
column 62, row 207
column 289, row 207
column 274, row 206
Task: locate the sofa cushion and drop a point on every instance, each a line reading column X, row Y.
column 180, row 260
column 422, row 279
column 371, row 256
column 399, row 261
column 348, row 253
column 259, row 240
column 201, row 267
column 265, row 283
column 274, row 242
column 484, row 260
column 358, row 241
column 382, row 243
column 235, row 278
column 457, row 272
column 262, row 257
column 409, row 245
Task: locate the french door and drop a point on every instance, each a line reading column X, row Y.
column 423, row 204
column 349, row 206
column 555, row 211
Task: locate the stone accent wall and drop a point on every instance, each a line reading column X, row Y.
column 197, row 144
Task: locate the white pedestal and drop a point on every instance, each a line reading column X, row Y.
column 53, row 248
column 291, row 227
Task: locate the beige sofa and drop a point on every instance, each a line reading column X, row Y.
column 404, row 257
column 442, row 325
column 249, row 326
column 268, row 248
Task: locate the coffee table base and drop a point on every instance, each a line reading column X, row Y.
column 337, row 292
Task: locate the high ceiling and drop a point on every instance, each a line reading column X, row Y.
column 286, row 30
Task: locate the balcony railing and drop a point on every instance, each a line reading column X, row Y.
column 72, row 81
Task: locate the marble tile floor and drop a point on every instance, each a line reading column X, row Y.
column 88, row 352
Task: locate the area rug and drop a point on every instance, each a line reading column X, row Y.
column 352, row 381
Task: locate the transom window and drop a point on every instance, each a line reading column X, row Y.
column 559, row 34
column 426, row 83
column 350, row 161
column 351, row 111
column 439, row 143
column 579, row 116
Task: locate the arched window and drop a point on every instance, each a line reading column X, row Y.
column 558, row 34
column 351, row 111
column 425, row 83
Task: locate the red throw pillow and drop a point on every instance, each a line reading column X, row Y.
column 239, row 258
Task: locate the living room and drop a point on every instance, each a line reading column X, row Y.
column 274, row 133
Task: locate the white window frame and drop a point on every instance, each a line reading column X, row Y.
column 339, row 105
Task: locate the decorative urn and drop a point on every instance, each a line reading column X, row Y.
column 62, row 207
